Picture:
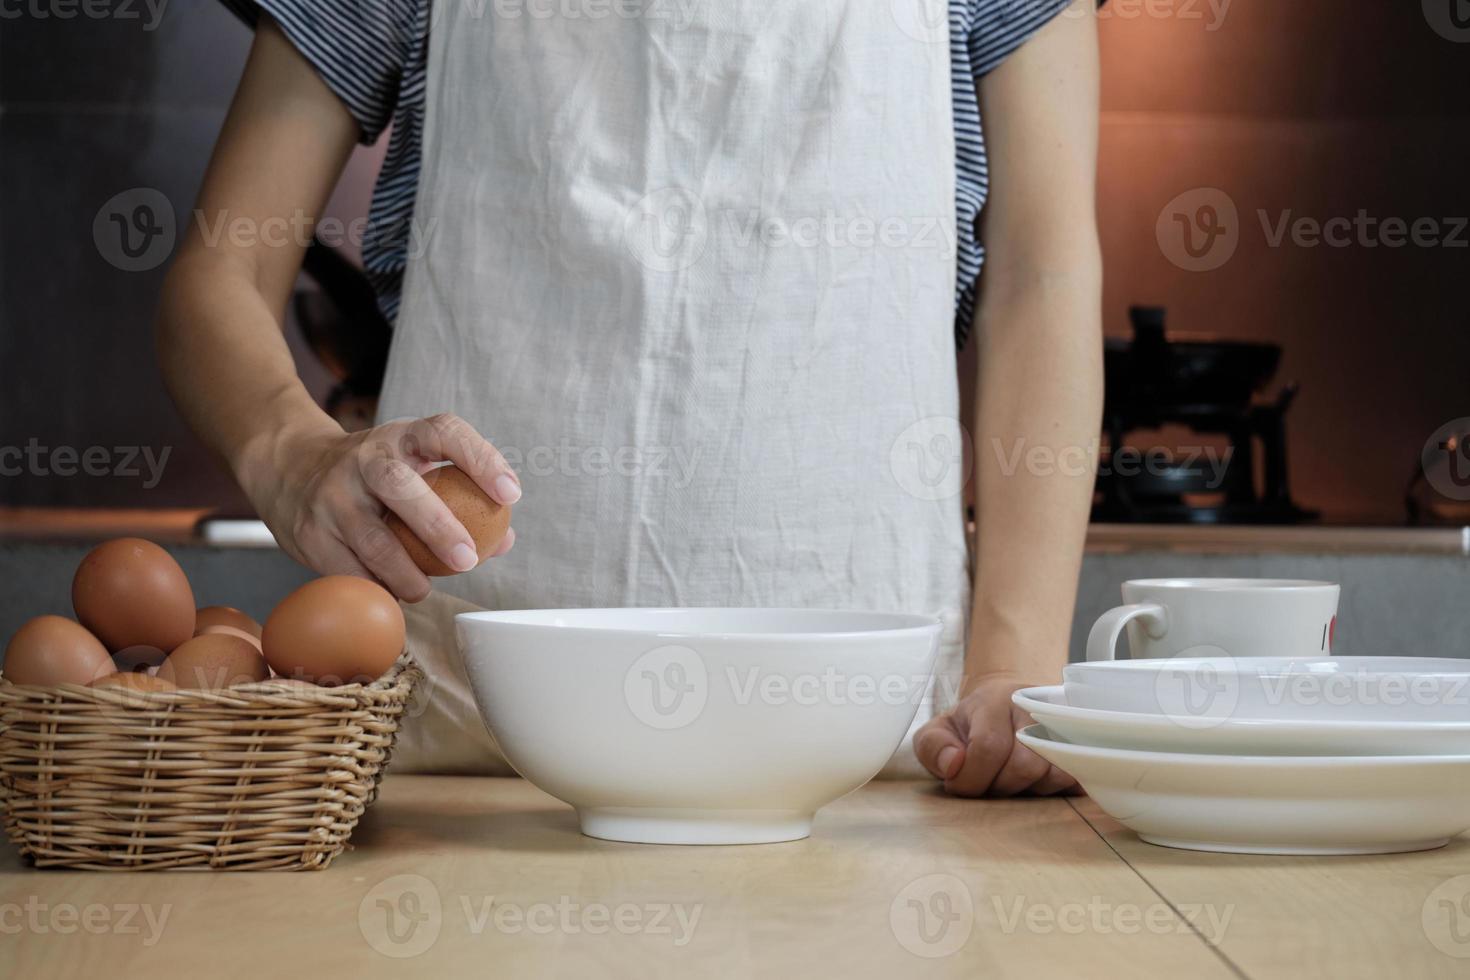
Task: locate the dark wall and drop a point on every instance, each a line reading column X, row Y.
column 92, row 108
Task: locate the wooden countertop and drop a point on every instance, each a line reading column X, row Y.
column 489, row 877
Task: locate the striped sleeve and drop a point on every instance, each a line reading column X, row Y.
column 356, row 46
column 998, row 27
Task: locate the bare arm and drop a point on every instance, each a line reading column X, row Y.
column 282, row 148
column 1038, row 400
column 224, row 357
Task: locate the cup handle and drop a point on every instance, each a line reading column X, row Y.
column 1103, row 640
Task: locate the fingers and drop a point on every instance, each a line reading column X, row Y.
column 985, row 755
column 1024, row 771
column 939, row 747
column 1056, row 782
column 403, row 491
column 506, row 543
column 378, row 549
column 449, row 437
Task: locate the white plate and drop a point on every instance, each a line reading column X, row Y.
column 1238, row 736
column 697, row 726
column 1272, row 804
column 1203, row 691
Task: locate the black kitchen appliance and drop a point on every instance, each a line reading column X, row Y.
column 1213, row 388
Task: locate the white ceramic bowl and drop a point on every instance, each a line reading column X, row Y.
column 1239, row 736
column 1204, row 691
column 697, row 726
column 1272, row 804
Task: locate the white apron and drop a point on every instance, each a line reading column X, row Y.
column 691, row 267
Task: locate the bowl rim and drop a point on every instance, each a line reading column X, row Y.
column 905, row 624
column 1267, row 666
column 1225, row 583
column 1233, row 761
column 1039, row 697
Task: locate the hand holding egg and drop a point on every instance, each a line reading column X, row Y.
column 334, row 502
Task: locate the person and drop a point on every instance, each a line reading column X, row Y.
column 684, row 284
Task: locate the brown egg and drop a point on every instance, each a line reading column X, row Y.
column 335, row 630
column 485, row 519
column 138, row 659
column 51, row 650
column 131, row 592
column 134, row 682
column 214, row 661
column 249, row 638
column 207, row 616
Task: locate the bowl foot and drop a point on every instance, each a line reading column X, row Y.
column 1294, row 849
column 658, row 825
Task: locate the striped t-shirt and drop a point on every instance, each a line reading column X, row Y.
column 374, row 55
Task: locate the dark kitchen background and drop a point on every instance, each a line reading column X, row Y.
column 1224, row 124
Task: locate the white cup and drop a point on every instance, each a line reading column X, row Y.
column 1236, row 617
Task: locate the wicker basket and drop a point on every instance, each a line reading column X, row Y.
column 260, row 776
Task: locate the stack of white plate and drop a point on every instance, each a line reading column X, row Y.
column 1275, row 755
